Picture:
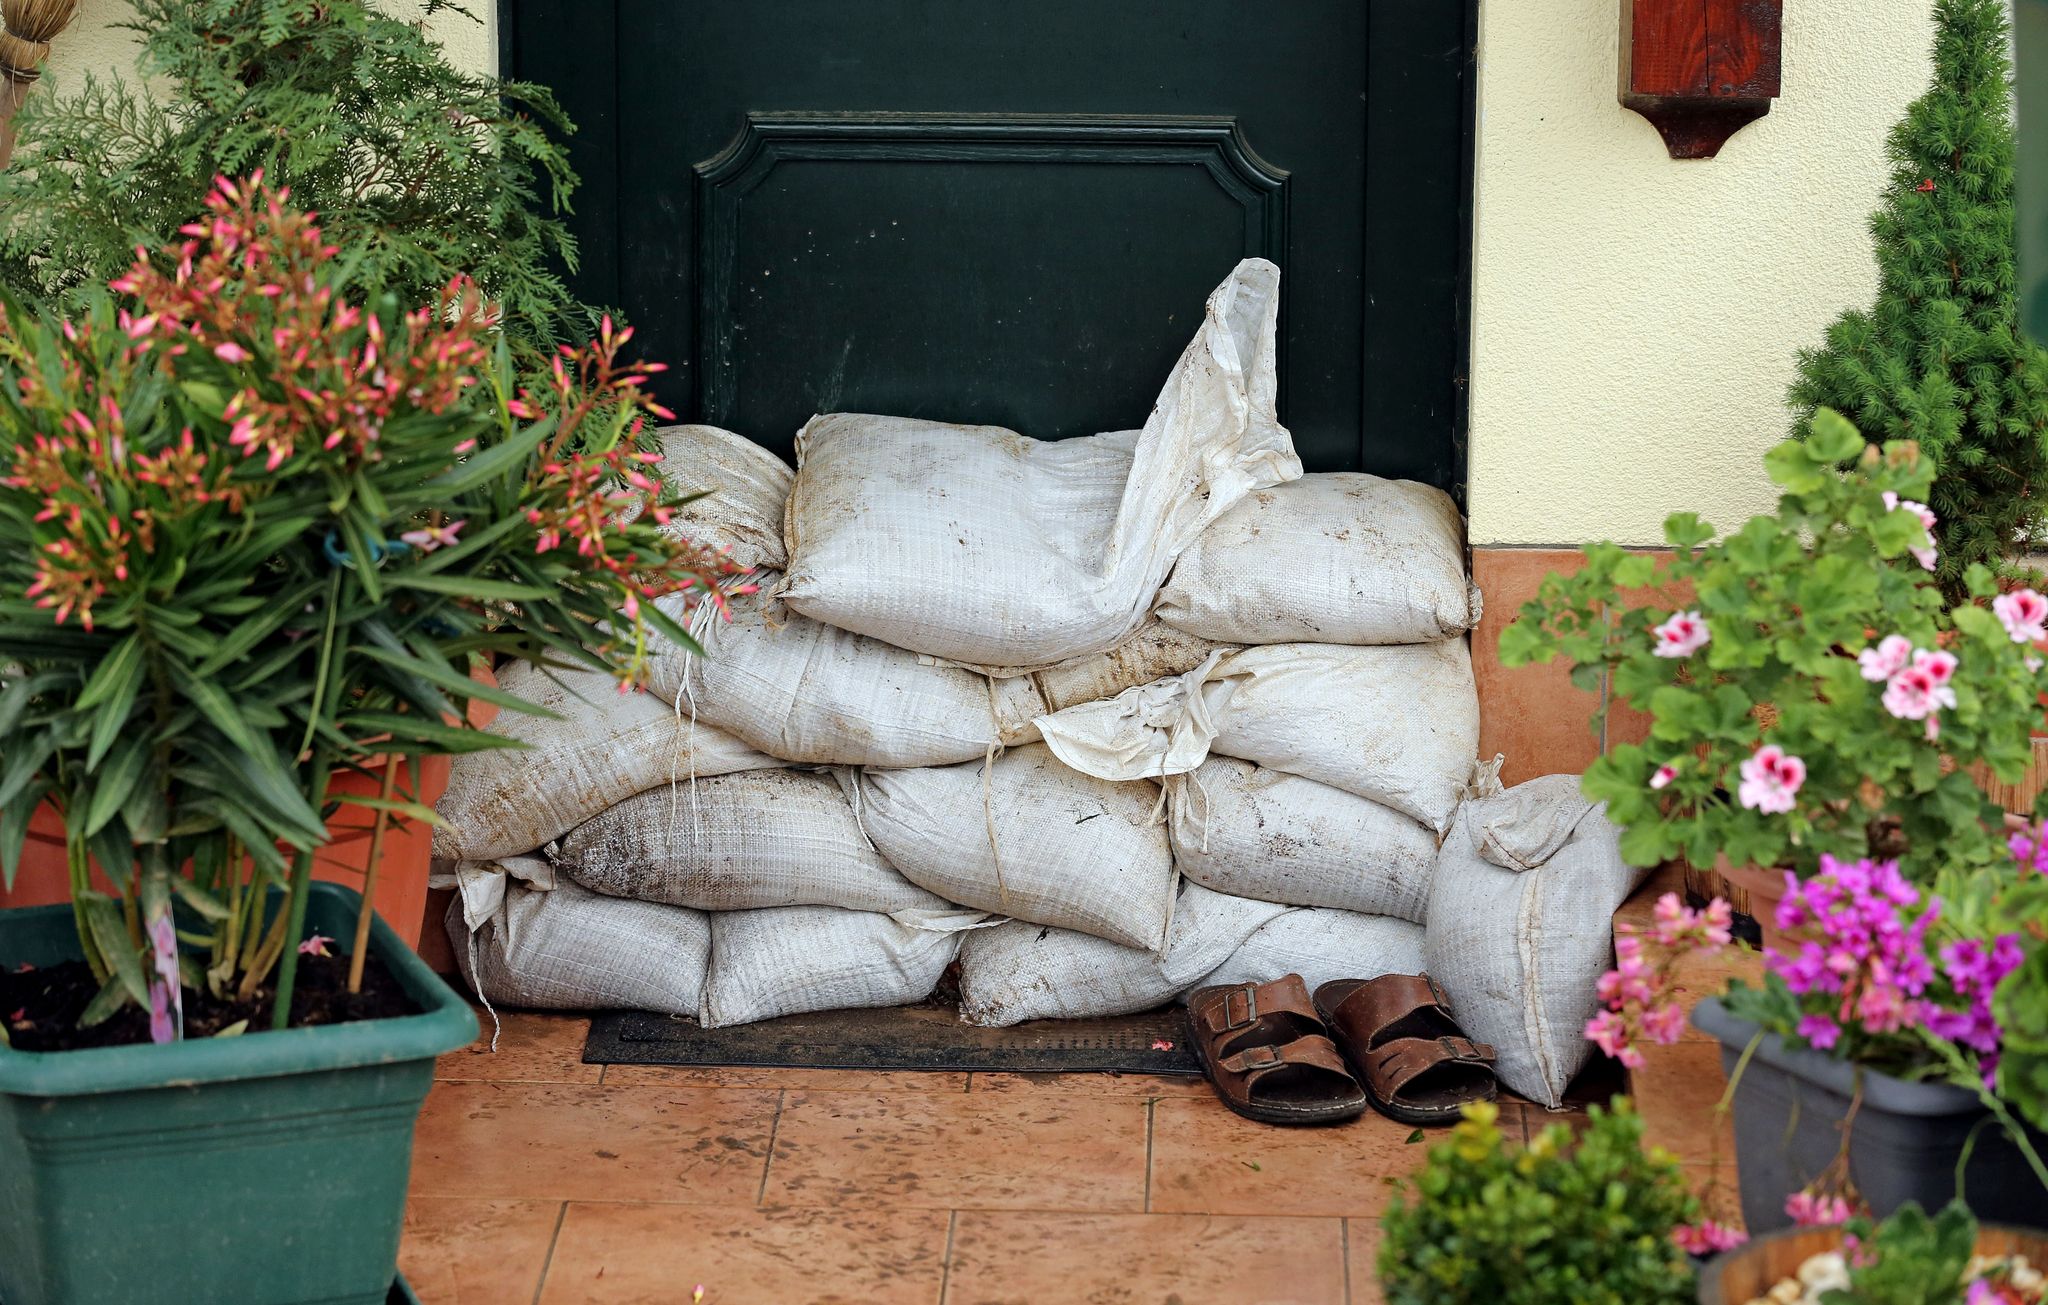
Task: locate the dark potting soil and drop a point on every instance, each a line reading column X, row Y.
column 41, row 1006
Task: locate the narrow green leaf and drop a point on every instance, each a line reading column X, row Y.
column 121, row 668
column 110, row 931
column 112, row 996
column 439, row 673
column 217, row 707
column 494, row 461
column 235, row 1030
column 111, row 782
column 466, row 586
column 206, row 904
column 14, row 821
column 433, row 735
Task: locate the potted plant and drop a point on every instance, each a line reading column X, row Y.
column 1909, row 1259
column 253, row 536
column 1585, row 1220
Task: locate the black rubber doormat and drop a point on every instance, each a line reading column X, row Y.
column 906, row 1037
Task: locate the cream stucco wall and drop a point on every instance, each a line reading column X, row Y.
column 1636, row 318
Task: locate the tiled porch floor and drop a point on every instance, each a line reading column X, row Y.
column 539, row 1178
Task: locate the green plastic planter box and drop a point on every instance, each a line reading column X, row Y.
column 268, row 1169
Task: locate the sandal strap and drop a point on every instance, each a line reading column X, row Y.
column 1225, row 1014
column 1394, row 1066
column 1377, row 1005
column 1314, row 1051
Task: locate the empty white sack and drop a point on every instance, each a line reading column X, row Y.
column 1018, row 971
column 1321, row 945
column 985, row 547
column 563, row 948
column 813, row 694
column 605, row 747
column 1399, row 725
column 807, row 958
column 1334, row 557
column 744, row 842
column 1520, row 950
column 744, row 488
column 1153, row 652
column 1251, row 832
column 1034, row 840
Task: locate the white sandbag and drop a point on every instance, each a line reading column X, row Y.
column 744, row 488
column 811, row 694
column 563, row 948
column 806, row 958
column 605, row 747
column 1033, row 840
column 984, row 547
column 744, row 842
column 1018, row 971
column 1399, row 725
column 1521, row 951
column 1252, row 832
column 1154, row 652
column 1334, row 557
column 1322, row 945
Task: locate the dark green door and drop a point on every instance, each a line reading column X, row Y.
column 1010, row 213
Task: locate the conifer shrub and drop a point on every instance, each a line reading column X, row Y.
column 419, row 172
column 1940, row 357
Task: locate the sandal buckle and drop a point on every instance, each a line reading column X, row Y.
column 1251, row 1009
column 1261, row 1057
column 1459, row 1048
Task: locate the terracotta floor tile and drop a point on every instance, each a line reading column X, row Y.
column 1208, row 1160
column 1141, row 1087
column 462, row 1252
column 942, row 1151
column 656, row 1255
column 534, row 1047
column 1017, row 1258
column 1361, row 1261
column 562, row 1141
column 1676, row 1091
column 791, row 1080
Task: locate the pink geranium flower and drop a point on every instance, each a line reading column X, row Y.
column 1811, row 1210
column 1892, row 655
column 2024, row 614
column 1924, row 556
column 1922, row 689
column 1771, row 780
column 1682, row 635
column 1665, row 774
column 1707, row 1237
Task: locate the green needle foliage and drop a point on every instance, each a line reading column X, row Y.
column 1940, row 357
column 420, row 172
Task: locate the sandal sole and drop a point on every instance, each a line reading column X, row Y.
column 1419, row 1116
column 1271, row 1114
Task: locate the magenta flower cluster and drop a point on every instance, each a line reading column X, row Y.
column 1868, row 955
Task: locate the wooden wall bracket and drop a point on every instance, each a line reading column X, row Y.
column 1700, row 70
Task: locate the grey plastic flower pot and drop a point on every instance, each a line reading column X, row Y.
column 1906, row 1144
column 268, row 1169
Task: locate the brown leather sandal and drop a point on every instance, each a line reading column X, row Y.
column 1268, row 1055
column 1399, row 1034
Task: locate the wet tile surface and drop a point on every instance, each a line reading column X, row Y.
column 533, row 1047
column 1027, row 1258
column 464, row 1252
column 1204, row 1158
column 794, row 1080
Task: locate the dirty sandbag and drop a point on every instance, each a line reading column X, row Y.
column 1018, row 971
column 807, row 958
column 742, row 491
column 1334, row 557
column 812, row 694
column 741, row 842
column 987, row 548
column 1321, row 945
column 1154, row 652
column 604, row 747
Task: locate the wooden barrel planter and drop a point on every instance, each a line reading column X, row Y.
column 1748, row 1272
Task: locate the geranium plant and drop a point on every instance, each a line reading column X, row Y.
column 253, row 533
column 1813, row 694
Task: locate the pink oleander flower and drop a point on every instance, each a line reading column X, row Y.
column 1707, row 1237
column 428, row 538
column 316, row 946
column 2024, row 614
column 1893, row 654
column 1809, row 1209
column 1682, row 635
column 1664, row 775
column 1771, row 780
column 1924, row 556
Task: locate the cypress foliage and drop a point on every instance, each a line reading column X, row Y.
column 417, row 171
column 1941, row 357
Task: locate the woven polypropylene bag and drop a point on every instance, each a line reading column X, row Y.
column 739, row 843
column 1521, row 951
column 602, row 748
column 1032, row 840
column 807, row 958
column 1336, row 557
column 743, row 489
column 985, row 547
column 813, row 694
column 1242, row 829
column 1321, row 945
column 1018, row 971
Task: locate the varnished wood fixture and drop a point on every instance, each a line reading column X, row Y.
column 1700, row 70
